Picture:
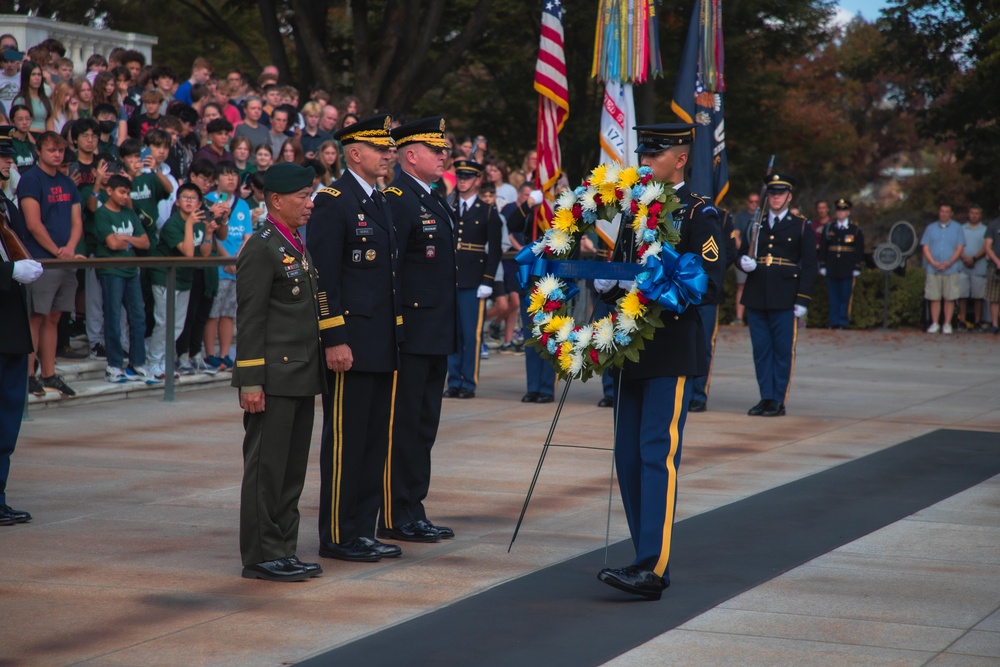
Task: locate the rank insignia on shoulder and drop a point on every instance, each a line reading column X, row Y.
column 331, row 191
column 265, row 234
column 395, row 191
column 710, row 250
column 287, row 259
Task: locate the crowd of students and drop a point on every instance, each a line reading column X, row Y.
column 158, row 166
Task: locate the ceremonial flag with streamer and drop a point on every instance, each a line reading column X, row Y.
column 626, row 51
column 698, row 99
column 553, row 104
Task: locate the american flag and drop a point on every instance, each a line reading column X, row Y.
column 553, row 100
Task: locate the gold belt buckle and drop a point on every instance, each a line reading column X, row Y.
column 768, row 260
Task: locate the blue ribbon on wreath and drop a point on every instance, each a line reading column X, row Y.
column 673, row 280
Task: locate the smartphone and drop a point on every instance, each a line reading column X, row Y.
column 145, row 153
column 222, row 197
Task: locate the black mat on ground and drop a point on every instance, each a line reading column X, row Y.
column 562, row 615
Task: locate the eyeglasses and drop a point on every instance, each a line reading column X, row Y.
column 189, row 198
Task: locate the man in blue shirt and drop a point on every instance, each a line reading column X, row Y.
column 943, row 242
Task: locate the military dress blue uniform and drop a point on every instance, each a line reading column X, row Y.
column 653, row 394
column 783, row 278
column 426, row 234
column 709, row 313
column 353, row 242
column 15, row 346
column 479, row 251
column 841, row 257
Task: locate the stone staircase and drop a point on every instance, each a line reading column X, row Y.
column 86, row 377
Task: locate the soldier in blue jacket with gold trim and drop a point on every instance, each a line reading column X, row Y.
column 278, row 371
column 425, row 230
column 841, row 258
column 652, row 395
column 781, row 272
column 479, row 237
column 352, row 239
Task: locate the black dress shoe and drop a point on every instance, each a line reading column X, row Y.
column 314, row 569
column 530, row 397
column 381, row 548
column 606, row 402
column 451, row 392
column 414, row 531
column 697, row 406
column 17, row 516
column 282, row 569
column 758, row 409
column 6, row 521
column 545, row 398
column 774, row 410
column 636, row 580
column 354, row 551
column 445, row 532
column 465, row 393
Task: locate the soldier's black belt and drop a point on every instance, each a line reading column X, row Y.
column 841, row 248
column 769, row 260
column 475, row 247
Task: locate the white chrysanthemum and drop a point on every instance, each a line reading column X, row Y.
column 538, row 248
column 625, row 206
column 564, row 331
column 587, row 200
column 536, row 331
column 575, row 365
column 566, row 199
column 626, row 323
column 549, row 284
column 559, row 241
column 613, row 172
column 654, row 250
column 604, row 335
column 583, row 336
column 651, row 193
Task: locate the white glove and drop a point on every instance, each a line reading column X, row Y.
column 26, row 271
column 747, row 263
column 602, row 285
column 822, row 271
column 856, row 273
column 800, row 311
column 535, row 197
column 626, row 285
column 484, row 292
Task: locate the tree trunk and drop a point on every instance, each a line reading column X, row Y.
column 275, row 44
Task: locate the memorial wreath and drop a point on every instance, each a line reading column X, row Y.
column 659, row 279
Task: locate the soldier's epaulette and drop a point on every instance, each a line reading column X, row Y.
column 709, row 208
column 265, row 232
column 330, row 191
column 395, row 191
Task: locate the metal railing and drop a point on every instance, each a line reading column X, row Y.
column 171, row 264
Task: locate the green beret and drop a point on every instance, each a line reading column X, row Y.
column 286, row 177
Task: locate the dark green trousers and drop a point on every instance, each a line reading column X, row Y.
column 275, row 457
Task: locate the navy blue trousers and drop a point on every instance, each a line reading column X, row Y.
column 540, row 374
column 710, row 322
column 772, row 333
column 463, row 366
column 649, row 417
column 13, row 394
column 839, row 295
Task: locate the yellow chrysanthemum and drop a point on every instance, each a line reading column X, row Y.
column 631, row 305
column 565, row 356
column 556, row 323
column 597, row 176
column 564, row 221
column 638, row 223
column 537, row 300
column 628, row 177
column 642, row 212
column 608, row 193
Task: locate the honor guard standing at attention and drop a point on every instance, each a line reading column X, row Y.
column 479, row 232
column 353, row 241
column 841, row 258
column 278, row 371
column 425, row 231
column 709, row 312
column 17, row 269
column 780, row 262
column 652, row 395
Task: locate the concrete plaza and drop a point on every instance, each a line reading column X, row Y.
column 132, row 557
